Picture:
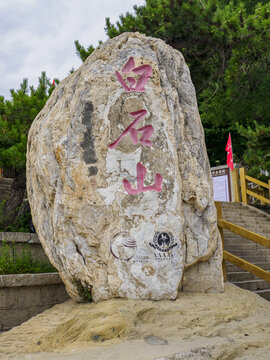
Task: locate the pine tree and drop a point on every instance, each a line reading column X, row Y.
column 16, row 116
column 257, row 155
column 226, row 45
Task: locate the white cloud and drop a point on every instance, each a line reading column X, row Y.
column 38, row 35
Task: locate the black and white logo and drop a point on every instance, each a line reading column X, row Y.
column 163, row 241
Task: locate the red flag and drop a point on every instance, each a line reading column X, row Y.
column 53, row 83
column 229, row 152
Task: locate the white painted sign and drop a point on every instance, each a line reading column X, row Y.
column 221, row 188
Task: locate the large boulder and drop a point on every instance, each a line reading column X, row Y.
column 118, row 177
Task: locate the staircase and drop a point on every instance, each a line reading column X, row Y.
column 5, row 188
column 257, row 221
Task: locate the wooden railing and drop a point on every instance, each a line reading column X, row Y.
column 7, row 173
column 245, row 191
column 259, row 239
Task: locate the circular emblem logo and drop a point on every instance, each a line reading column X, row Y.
column 163, row 241
column 123, row 246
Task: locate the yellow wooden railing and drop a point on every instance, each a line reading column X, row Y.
column 245, row 191
column 259, row 239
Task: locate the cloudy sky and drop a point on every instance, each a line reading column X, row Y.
column 38, row 35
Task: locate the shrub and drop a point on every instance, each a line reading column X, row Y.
column 12, row 262
column 21, row 222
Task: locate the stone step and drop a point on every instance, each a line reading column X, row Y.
column 263, row 226
column 234, row 268
column 257, row 228
column 251, row 246
column 234, row 205
column 263, row 230
column 266, row 228
column 5, row 187
column 238, row 242
column 241, row 209
column 231, row 235
column 240, row 251
column 225, row 203
column 250, row 253
column 237, row 239
column 245, row 216
column 250, row 226
column 238, row 217
column 256, row 222
column 264, row 293
column 241, row 213
column 244, row 246
column 6, row 181
column 253, row 285
column 240, row 276
column 233, row 215
column 255, row 259
column 264, row 208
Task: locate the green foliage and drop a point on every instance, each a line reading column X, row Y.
column 242, row 97
column 12, row 262
column 257, row 155
column 16, row 116
column 249, row 4
column 20, row 224
column 21, row 221
column 82, row 52
column 226, row 45
column 84, row 291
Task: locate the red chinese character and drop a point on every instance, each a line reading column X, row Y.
column 144, row 70
column 146, row 131
column 141, row 172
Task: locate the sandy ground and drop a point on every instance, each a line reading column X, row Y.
column 232, row 325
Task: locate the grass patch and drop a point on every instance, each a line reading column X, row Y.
column 84, row 291
column 13, row 261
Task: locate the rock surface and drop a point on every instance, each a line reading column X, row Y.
column 197, row 326
column 119, row 180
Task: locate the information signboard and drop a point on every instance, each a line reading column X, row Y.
column 221, row 183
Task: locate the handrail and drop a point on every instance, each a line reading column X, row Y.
column 244, row 178
column 256, row 270
column 262, row 240
column 260, row 197
column 259, row 182
column 259, row 239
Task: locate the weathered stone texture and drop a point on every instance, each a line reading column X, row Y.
column 96, row 234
